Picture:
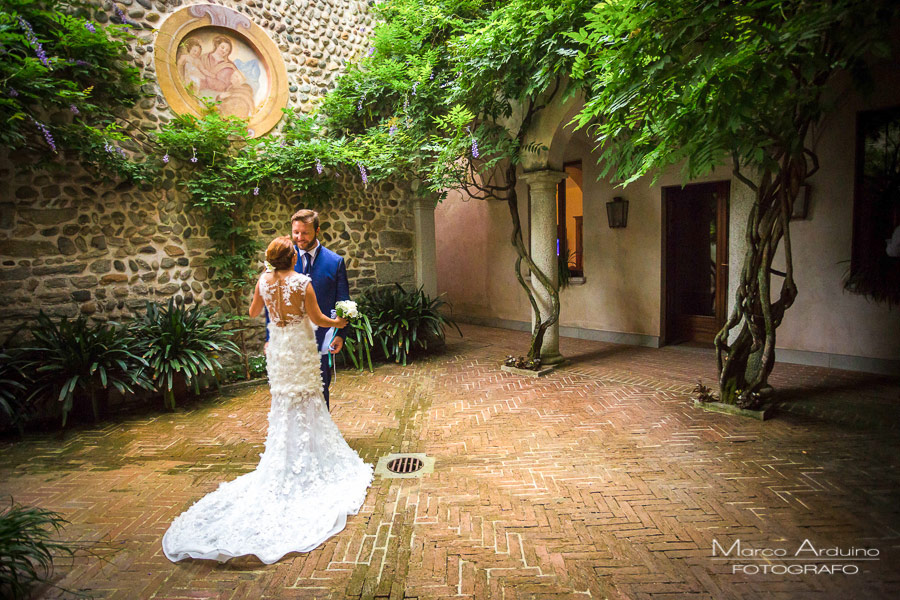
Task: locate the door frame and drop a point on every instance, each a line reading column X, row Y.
column 722, row 255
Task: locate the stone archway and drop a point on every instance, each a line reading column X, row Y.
column 551, row 130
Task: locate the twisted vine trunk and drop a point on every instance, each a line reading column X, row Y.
column 540, row 325
column 746, row 362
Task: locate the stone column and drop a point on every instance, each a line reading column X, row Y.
column 542, row 193
column 426, row 254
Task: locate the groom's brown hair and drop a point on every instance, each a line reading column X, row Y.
column 307, row 216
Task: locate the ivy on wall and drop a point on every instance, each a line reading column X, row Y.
column 227, row 173
column 65, row 81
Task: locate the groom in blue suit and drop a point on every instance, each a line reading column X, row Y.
column 329, row 278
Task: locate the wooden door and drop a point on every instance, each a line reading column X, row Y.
column 696, row 261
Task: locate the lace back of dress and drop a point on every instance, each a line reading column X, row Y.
column 284, row 298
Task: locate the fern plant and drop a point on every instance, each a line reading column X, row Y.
column 404, row 321
column 12, row 388
column 179, row 341
column 72, row 357
column 27, row 549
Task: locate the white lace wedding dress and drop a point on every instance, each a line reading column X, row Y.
column 308, row 479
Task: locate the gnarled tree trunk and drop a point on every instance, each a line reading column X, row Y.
column 540, row 325
column 746, row 362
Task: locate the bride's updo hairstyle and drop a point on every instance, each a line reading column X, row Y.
column 281, row 253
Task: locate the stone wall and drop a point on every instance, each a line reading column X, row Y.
column 77, row 248
column 70, row 245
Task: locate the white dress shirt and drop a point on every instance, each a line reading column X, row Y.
column 312, row 255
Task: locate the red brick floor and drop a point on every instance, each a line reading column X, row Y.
column 600, row 480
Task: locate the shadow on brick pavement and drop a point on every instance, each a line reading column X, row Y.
column 600, row 480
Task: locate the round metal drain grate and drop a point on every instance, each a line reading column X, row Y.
column 405, row 464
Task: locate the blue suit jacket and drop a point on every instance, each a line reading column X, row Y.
column 329, row 279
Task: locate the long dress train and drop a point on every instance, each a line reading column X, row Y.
column 308, row 479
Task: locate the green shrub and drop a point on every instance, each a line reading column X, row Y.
column 182, row 341
column 26, row 550
column 404, row 321
column 69, row 358
column 12, row 387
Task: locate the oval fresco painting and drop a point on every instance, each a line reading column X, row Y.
column 205, row 53
column 216, row 66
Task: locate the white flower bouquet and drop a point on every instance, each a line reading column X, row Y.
column 347, row 309
column 359, row 339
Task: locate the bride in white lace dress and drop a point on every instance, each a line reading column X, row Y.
column 308, row 479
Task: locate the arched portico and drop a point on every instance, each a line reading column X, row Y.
column 551, row 130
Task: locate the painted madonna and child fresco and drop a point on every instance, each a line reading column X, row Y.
column 216, row 67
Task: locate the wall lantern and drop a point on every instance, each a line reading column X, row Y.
column 617, row 212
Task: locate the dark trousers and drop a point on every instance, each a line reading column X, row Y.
column 326, row 378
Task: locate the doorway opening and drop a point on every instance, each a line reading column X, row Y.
column 696, row 261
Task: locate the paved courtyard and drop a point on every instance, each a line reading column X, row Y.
column 601, row 480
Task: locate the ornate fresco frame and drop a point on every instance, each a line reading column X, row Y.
column 188, row 20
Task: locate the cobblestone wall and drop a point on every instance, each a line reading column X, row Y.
column 69, row 245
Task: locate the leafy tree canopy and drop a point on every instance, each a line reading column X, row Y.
column 700, row 81
column 447, row 82
column 696, row 82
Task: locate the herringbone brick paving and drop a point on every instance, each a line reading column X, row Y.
column 600, row 480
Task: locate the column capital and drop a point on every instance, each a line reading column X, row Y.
column 546, row 178
column 420, row 203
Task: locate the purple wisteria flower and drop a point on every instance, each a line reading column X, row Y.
column 415, row 85
column 32, row 39
column 122, row 17
column 74, row 109
column 82, row 63
column 90, row 27
column 108, row 147
column 319, row 167
column 47, row 136
column 371, row 51
column 431, row 76
column 12, row 92
column 363, row 174
column 165, row 158
column 256, row 191
column 194, row 157
column 392, row 130
column 474, row 143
